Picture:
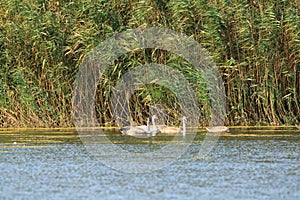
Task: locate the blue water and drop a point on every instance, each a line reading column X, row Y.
column 241, row 166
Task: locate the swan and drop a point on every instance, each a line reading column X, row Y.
column 175, row 130
column 217, row 129
column 145, row 127
column 142, row 130
column 153, row 130
column 133, row 131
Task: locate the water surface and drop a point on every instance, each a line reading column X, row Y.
column 245, row 164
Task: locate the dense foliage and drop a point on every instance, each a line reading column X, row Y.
column 255, row 43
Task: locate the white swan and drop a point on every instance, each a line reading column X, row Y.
column 153, row 130
column 217, row 129
column 141, row 131
column 145, row 127
column 175, row 130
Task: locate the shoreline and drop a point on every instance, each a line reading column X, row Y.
column 264, row 127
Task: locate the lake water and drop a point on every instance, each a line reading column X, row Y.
column 244, row 164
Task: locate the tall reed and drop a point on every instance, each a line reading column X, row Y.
column 255, row 44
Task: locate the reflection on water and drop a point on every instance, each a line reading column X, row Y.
column 245, row 164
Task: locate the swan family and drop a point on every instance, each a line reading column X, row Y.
column 148, row 130
column 142, row 130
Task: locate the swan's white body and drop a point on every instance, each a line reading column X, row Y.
column 145, row 127
column 217, row 129
column 153, row 130
column 174, row 130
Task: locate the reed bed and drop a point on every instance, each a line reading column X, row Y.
column 255, row 44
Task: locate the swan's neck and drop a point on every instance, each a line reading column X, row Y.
column 148, row 124
column 153, row 122
column 183, row 127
